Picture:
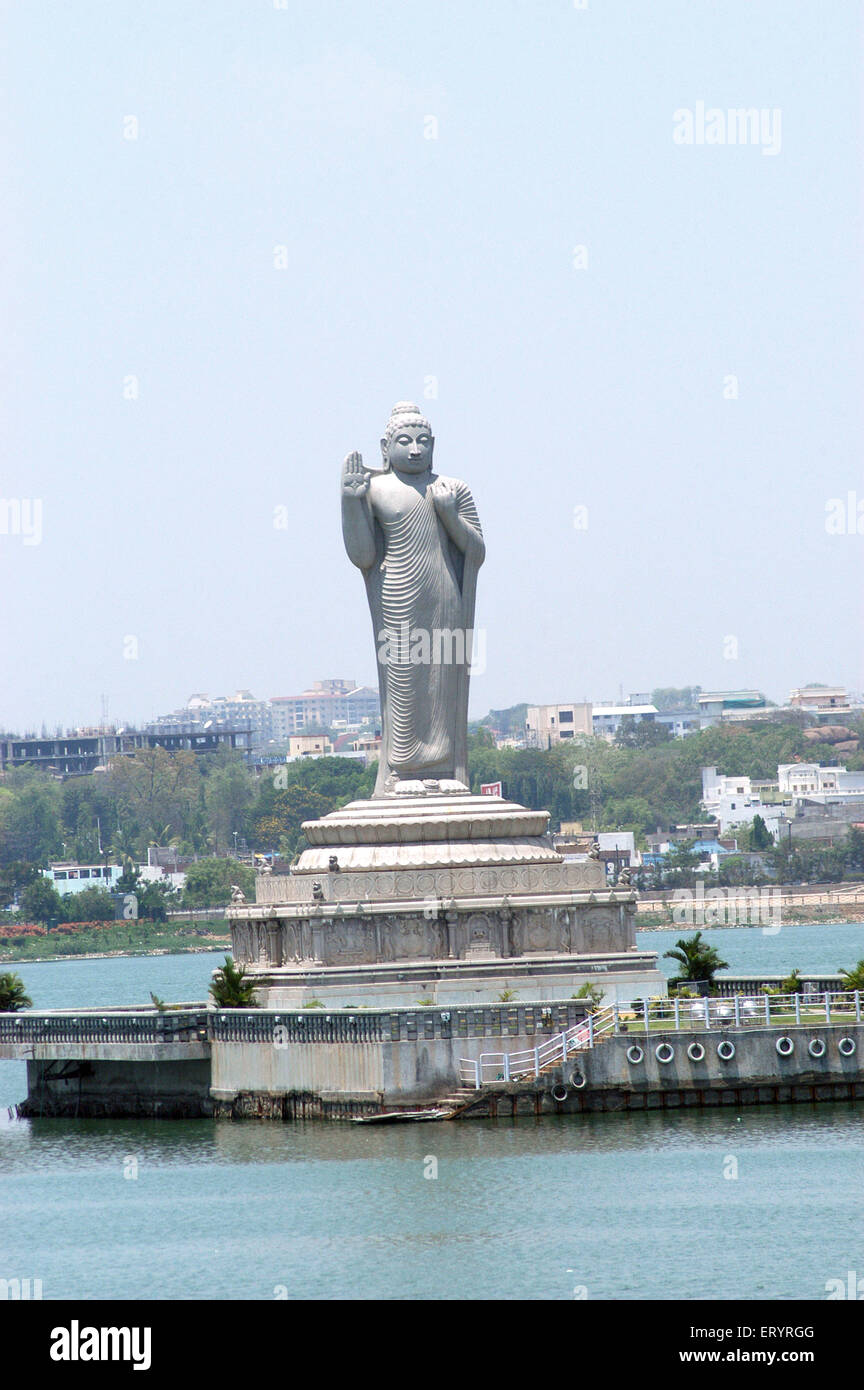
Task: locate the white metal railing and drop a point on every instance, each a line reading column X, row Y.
column 672, row 1014
column 514, row 1066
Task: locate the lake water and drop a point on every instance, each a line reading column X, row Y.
column 761, row 1203
column 823, row 948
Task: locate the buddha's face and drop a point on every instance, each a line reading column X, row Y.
column 409, row 449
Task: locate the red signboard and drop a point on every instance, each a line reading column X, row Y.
column 490, row 789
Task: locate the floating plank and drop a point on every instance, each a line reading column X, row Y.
column 393, row 1116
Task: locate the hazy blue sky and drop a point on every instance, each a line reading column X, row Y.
column 306, row 127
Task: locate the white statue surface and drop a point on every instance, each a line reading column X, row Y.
column 416, row 537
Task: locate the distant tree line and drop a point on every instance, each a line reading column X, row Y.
column 205, row 806
column 198, row 804
column 202, row 806
column 645, row 780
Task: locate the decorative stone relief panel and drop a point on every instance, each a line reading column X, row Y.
column 438, row 927
column 348, row 942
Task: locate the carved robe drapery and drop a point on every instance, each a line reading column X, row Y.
column 421, row 592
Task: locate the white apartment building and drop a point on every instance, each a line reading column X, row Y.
column 715, row 786
column 319, row 707
column 732, row 801
column 812, row 782
column 240, row 711
column 69, row 877
column 327, row 704
column 801, row 779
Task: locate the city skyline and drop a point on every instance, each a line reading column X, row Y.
column 231, row 696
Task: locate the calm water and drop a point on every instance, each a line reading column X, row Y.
column 824, row 949
column 627, row 1206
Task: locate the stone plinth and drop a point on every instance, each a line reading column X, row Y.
column 434, row 893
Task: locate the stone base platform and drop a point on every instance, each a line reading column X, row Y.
column 432, row 893
column 619, row 977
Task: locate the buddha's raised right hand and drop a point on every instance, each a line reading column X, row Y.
column 355, row 478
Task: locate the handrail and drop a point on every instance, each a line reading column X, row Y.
column 182, row 1025
column 662, row 1015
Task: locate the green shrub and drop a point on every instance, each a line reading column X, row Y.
column 230, row 989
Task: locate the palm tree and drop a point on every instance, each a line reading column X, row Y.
column 793, row 984
column 855, row 976
column 591, row 993
column 698, row 960
column 12, row 996
column 230, row 989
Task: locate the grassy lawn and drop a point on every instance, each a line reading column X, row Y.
column 123, row 938
column 812, row 1016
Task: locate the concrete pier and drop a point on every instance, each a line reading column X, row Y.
column 308, row 1063
column 697, row 1075
column 112, row 1063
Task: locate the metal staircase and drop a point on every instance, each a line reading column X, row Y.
column 533, row 1062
